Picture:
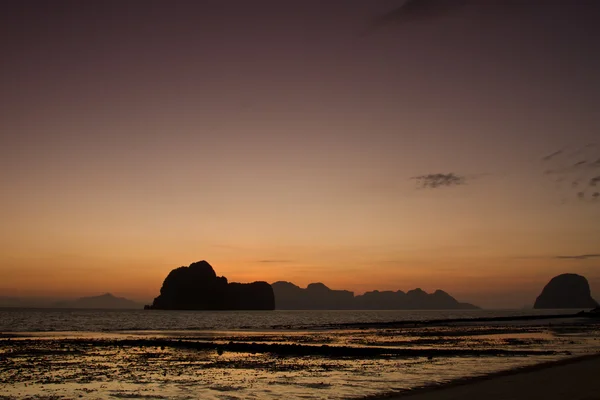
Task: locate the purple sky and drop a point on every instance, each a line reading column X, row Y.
column 137, row 136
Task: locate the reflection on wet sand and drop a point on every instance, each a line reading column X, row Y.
column 339, row 363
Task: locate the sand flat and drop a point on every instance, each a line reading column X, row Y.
column 574, row 379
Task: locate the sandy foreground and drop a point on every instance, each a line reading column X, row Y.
column 573, row 379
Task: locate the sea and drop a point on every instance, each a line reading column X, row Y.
column 156, row 354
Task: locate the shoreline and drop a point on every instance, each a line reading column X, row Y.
column 442, row 390
column 585, row 315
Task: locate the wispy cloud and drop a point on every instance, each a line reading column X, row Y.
column 578, row 257
column 434, row 181
column 578, row 167
column 575, row 173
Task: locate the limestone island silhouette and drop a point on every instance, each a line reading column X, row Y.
column 566, row 291
column 198, row 287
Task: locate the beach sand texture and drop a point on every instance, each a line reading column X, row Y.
column 574, row 379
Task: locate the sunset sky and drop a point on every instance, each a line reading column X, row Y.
column 449, row 144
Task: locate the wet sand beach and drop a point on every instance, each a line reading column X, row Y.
column 369, row 359
column 574, row 379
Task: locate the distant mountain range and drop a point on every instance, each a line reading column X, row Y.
column 25, row 302
column 288, row 296
column 563, row 291
column 317, row 296
column 106, row 301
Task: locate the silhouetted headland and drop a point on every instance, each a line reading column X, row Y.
column 317, row 296
column 198, row 287
column 566, row 291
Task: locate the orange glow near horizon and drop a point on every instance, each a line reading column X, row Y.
column 504, row 282
column 136, row 140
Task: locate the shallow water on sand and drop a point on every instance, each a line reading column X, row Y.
column 336, row 362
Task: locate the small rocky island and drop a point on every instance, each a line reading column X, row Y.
column 197, row 287
column 566, row 291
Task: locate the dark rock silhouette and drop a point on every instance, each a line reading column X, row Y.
column 198, row 287
column 415, row 299
column 317, row 296
column 106, row 301
column 386, row 300
column 250, row 296
column 566, row 291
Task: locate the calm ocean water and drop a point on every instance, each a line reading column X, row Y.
column 52, row 320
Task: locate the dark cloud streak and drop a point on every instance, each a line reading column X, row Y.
column 434, row 181
column 551, row 156
column 417, row 10
column 578, row 257
column 275, row 261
